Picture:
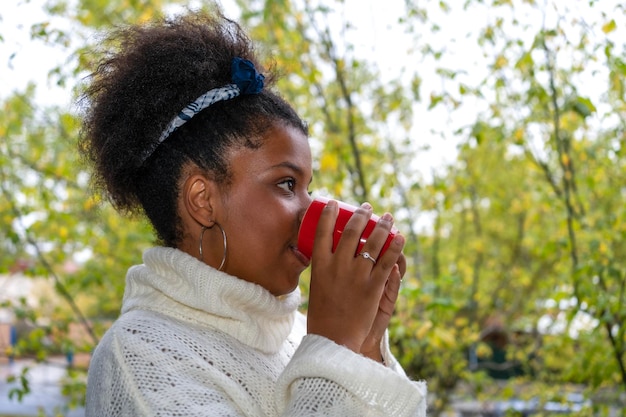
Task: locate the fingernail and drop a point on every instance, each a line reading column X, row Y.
column 366, row 206
column 387, row 217
column 398, row 240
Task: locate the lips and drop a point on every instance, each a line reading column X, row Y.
column 301, row 257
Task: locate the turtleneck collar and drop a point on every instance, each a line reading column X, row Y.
column 174, row 283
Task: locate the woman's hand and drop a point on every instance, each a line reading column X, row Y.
column 371, row 345
column 351, row 298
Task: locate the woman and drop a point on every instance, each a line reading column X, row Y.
column 181, row 125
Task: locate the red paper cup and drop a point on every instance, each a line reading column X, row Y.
column 306, row 235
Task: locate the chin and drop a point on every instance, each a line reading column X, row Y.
column 287, row 289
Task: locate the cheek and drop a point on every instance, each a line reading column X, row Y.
column 254, row 223
column 264, row 231
column 259, row 220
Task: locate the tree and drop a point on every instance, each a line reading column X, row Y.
column 527, row 222
column 524, row 234
column 51, row 222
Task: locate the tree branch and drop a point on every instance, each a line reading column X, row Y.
column 42, row 259
column 362, row 192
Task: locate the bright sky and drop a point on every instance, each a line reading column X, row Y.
column 22, row 60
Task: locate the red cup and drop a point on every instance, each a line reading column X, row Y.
column 306, row 235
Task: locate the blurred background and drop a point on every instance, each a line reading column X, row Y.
column 494, row 130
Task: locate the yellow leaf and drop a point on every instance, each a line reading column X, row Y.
column 329, row 162
column 424, row 328
column 609, row 26
column 479, row 246
column 517, row 206
column 89, row 204
column 461, row 322
column 518, row 136
column 501, row 62
column 483, row 350
column 443, row 338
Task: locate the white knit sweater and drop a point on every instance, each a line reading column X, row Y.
column 193, row 341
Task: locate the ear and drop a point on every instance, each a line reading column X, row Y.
column 198, row 195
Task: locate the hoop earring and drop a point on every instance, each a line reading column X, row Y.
column 204, row 228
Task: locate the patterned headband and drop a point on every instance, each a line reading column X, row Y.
column 246, row 80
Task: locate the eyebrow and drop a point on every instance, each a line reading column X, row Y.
column 289, row 165
column 293, row 167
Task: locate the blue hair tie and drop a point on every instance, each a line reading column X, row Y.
column 246, row 77
column 246, row 80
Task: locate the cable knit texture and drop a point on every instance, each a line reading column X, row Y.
column 193, row 341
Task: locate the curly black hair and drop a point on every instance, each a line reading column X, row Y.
column 148, row 74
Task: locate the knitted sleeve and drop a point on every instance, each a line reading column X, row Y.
column 325, row 379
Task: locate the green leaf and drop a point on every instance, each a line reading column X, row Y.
column 584, row 107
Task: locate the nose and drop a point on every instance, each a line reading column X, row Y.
column 305, row 203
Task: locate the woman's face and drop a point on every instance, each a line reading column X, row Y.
column 263, row 208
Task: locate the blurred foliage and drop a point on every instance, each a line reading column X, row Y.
column 520, row 267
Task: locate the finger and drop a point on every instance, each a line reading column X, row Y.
column 392, row 289
column 393, row 255
column 377, row 239
column 323, row 243
column 388, row 300
column 351, row 235
column 402, row 265
column 386, row 307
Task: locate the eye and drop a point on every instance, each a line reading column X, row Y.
column 288, row 184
